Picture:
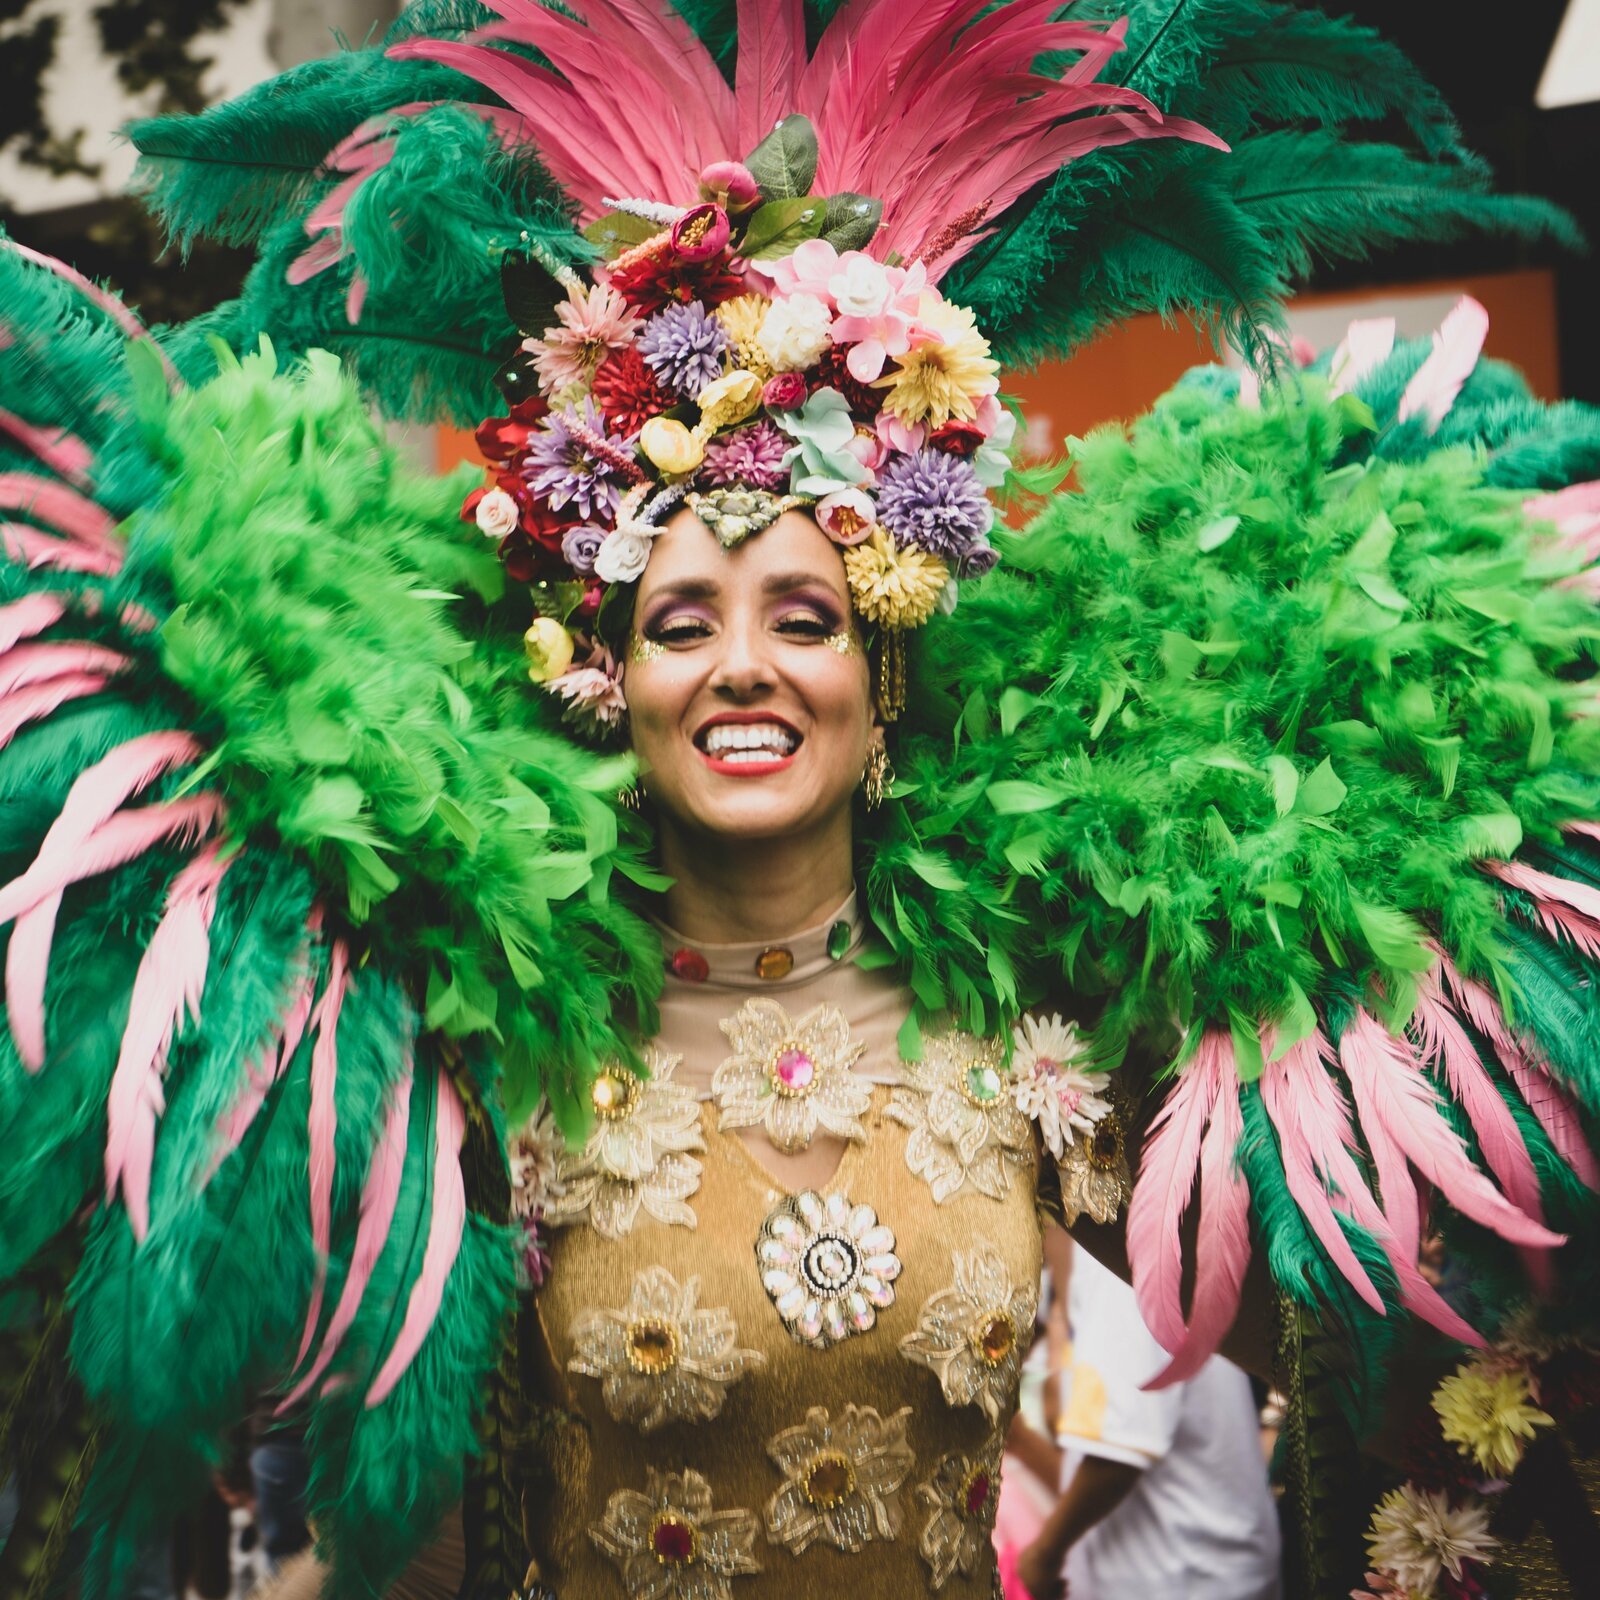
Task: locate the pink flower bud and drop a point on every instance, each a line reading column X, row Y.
column 731, row 183
column 700, row 233
column 786, row 392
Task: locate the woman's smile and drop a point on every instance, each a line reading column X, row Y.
column 748, row 744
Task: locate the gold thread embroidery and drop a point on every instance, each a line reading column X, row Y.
column 842, row 1478
column 670, row 1545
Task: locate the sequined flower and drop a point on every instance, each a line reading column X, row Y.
column 683, row 346
column 973, row 1335
column 662, row 1357
column 1418, row 1534
column 791, row 1077
column 1094, row 1173
column 1488, row 1413
column 842, row 1479
column 593, row 322
column 572, row 460
column 933, row 501
column 757, row 455
column 1052, row 1088
column 829, row 1266
column 962, row 1497
column 947, row 370
column 637, row 1157
column 891, row 587
column 670, row 1544
column 965, row 1126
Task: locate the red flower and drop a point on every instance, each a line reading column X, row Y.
column 651, row 276
column 958, row 438
column 532, row 410
column 500, row 438
column 831, row 372
column 784, row 392
column 628, row 393
column 469, row 506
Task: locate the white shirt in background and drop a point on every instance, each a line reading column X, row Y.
column 1200, row 1523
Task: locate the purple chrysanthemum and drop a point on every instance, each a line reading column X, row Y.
column 753, row 456
column 933, row 500
column 564, row 468
column 683, row 346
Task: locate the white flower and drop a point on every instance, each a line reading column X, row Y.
column 861, row 288
column 1051, row 1089
column 497, row 514
column 534, row 1156
column 624, row 554
column 794, row 332
column 992, row 460
column 1417, row 1534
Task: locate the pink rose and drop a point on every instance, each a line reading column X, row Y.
column 807, row 271
column 731, row 184
column 786, row 392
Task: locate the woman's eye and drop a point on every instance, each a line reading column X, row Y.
column 805, row 625
column 679, row 630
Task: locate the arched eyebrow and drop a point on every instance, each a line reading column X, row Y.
column 775, row 583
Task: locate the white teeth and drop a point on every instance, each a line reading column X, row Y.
column 754, row 741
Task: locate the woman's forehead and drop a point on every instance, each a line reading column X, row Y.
column 792, row 548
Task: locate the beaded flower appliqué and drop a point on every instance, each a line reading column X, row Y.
column 962, row 1496
column 791, row 1077
column 829, row 1266
column 637, row 1157
column 841, row 1479
column 670, row 1544
column 661, row 1358
column 965, row 1126
column 973, row 1334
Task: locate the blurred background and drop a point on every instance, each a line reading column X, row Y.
column 1524, row 80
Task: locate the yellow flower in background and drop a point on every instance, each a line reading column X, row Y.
column 741, row 320
column 727, row 400
column 1488, row 1413
column 891, row 587
column 670, row 445
column 943, row 377
column 549, row 648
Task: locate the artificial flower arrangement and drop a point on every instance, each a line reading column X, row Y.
column 1432, row 1537
column 745, row 356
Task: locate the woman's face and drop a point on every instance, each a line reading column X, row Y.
column 754, row 716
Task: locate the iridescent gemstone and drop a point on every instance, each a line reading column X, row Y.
column 613, row 1093
column 838, row 941
column 828, row 1480
column 996, row 1338
column 982, row 1083
column 672, row 1539
column 689, row 965
column 652, row 1345
column 975, row 1494
column 774, row 962
column 794, row 1071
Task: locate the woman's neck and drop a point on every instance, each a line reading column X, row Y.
column 728, row 891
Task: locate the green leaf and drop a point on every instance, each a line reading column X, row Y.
column 909, row 1038
column 1355, row 415
column 780, row 225
column 1322, row 793
column 850, row 220
column 615, row 231
column 784, row 164
column 1393, row 937
column 1015, row 704
column 1285, row 783
column 1216, row 534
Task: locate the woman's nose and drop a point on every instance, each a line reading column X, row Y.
column 743, row 665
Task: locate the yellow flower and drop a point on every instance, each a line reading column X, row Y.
column 741, row 320
column 670, row 445
column 891, row 587
column 727, row 400
column 944, row 377
column 549, row 649
column 1488, row 1413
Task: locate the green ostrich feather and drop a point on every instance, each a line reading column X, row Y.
column 1237, row 723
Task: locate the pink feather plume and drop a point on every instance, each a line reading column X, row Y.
column 42, row 552
column 444, row 1241
column 323, row 1126
column 28, row 664
column 378, row 1197
column 1456, row 348
column 62, row 508
column 30, row 615
column 1223, row 1252
column 23, row 706
column 1367, row 344
column 63, row 453
column 1400, row 1118
column 1575, row 511
column 1546, row 886
column 1167, row 1167
column 771, row 50
column 169, row 983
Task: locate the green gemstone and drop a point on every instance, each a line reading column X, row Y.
column 838, row 940
column 983, row 1084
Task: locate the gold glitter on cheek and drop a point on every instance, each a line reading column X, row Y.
column 646, row 650
column 843, row 644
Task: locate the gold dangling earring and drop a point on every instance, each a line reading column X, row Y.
column 631, row 796
column 878, row 777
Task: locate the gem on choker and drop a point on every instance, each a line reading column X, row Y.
column 774, row 962
column 689, row 965
column 793, row 1072
column 838, row 941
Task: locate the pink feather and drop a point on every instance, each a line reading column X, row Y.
column 1223, row 1252
column 1313, row 1134
column 1546, row 886
column 23, row 706
column 1575, row 511
column 40, row 552
column 323, row 1126
column 169, row 983
column 1456, row 348
column 62, row 508
column 34, row 663
column 1400, row 1118
column 1367, row 344
column 378, row 1197
column 31, row 615
column 1167, row 1166
column 62, row 452
column 108, row 303
column 771, row 48
column 444, row 1241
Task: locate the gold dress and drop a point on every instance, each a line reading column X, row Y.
column 792, row 1279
